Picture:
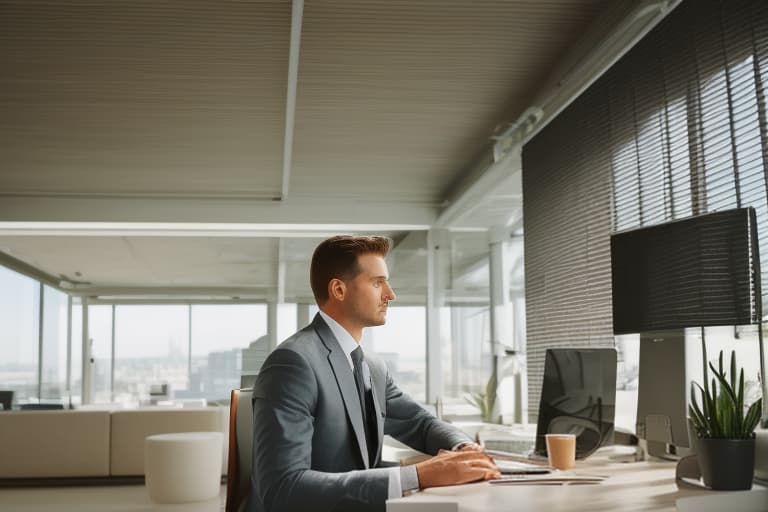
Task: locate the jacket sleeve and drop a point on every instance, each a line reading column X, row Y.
column 284, row 399
column 410, row 423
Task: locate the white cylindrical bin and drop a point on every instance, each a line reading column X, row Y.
column 183, row 467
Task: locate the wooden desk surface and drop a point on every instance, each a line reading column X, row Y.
column 631, row 486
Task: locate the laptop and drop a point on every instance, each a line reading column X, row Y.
column 578, row 396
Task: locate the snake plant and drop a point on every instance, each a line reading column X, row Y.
column 722, row 413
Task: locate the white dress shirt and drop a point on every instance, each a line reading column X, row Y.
column 403, row 478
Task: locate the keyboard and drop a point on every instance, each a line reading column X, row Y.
column 512, row 467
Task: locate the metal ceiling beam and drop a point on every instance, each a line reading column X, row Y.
column 187, row 230
column 472, row 194
column 258, row 293
column 297, row 13
column 347, row 215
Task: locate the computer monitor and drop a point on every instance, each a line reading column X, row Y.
column 578, row 396
column 6, row 400
column 693, row 272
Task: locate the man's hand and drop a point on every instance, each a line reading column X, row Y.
column 460, row 467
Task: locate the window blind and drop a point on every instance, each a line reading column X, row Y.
column 676, row 128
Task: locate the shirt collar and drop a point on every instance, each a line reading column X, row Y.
column 347, row 342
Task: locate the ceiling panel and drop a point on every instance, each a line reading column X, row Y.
column 143, row 98
column 133, row 110
column 396, row 97
column 150, row 261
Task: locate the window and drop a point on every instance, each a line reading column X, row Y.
column 708, row 123
column 676, row 127
column 286, row 321
column 401, row 343
column 100, row 338
column 219, row 335
column 54, row 350
column 466, row 349
column 19, row 312
column 151, row 348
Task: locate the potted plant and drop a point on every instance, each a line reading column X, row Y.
column 486, row 402
column 725, row 428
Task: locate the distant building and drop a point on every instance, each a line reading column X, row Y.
column 253, row 357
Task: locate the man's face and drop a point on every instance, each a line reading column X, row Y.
column 369, row 292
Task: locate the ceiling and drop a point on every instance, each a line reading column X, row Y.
column 235, row 135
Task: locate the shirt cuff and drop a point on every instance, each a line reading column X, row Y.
column 409, row 478
column 401, row 480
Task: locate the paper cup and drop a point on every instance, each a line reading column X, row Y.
column 561, row 450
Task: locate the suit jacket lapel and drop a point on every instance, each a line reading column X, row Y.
column 346, row 382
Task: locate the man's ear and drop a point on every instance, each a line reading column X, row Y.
column 337, row 290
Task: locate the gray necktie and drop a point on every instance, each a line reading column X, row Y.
column 370, row 434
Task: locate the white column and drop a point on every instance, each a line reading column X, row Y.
column 498, row 303
column 302, row 316
column 87, row 381
column 509, row 359
column 69, row 350
column 272, row 324
column 436, row 252
column 40, row 331
column 112, row 359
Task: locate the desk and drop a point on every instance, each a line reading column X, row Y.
column 633, row 486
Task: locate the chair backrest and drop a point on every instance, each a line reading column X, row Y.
column 240, row 450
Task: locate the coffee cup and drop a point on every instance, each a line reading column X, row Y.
column 561, row 450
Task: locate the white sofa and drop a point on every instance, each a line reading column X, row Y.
column 54, row 443
column 94, row 443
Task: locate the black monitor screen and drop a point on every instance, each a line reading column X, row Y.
column 578, row 396
column 6, row 399
column 693, row 272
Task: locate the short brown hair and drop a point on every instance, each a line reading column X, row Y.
column 336, row 258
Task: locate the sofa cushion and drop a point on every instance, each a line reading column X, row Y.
column 54, row 444
column 131, row 427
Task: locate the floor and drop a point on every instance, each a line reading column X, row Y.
column 123, row 498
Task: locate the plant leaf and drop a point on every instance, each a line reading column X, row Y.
column 713, row 416
column 752, row 418
column 725, row 386
column 699, row 420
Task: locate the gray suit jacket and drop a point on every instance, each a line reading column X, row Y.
column 309, row 450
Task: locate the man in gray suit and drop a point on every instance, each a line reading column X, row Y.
column 321, row 407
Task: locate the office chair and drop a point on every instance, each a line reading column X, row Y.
column 240, row 450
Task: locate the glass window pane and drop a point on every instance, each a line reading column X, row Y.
column 19, row 305
column 286, row 321
column 100, row 337
column 76, row 374
column 54, row 378
column 402, row 344
column 466, row 350
column 743, row 341
column 219, row 335
column 151, row 348
column 628, row 371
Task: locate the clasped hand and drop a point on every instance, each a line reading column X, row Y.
column 469, row 464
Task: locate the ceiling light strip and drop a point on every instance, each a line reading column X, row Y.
column 191, row 229
column 290, row 101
